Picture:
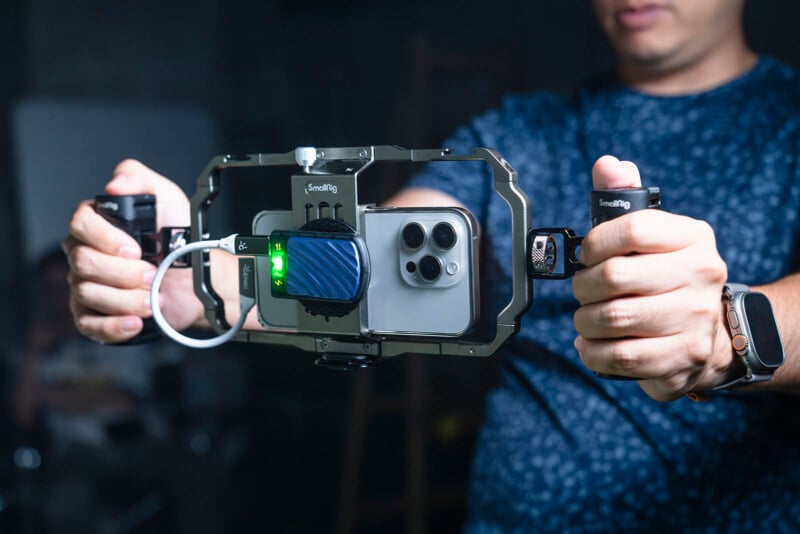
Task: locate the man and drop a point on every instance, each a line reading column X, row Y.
column 717, row 128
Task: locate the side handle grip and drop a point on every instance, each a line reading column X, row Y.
column 136, row 215
column 608, row 204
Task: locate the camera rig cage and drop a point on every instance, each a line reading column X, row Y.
column 342, row 340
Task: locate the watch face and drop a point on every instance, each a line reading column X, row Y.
column 764, row 336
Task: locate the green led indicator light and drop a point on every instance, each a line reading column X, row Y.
column 278, row 260
column 277, row 266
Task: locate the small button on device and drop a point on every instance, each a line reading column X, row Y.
column 739, row 342
column 733, row 321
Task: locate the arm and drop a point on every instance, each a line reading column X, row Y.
column 421, row 196
column 658, row 315
column 783, row 295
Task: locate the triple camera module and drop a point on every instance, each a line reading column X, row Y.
column 433, row 258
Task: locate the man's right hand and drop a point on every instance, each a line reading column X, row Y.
column 109, row 282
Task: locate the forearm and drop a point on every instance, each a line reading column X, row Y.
column 784, row 295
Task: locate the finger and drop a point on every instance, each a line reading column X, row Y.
column 651, row 358
column 610, row 173
column 89, row 264
column 110, row 300
column 650, row 316
column 103, row 328
column 643, row 232
column 87, row 226
column 642, row 274
column 131, row 177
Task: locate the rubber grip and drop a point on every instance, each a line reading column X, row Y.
column 608, row 204
column 136, row 215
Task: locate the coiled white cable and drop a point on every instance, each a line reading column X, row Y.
column 245, row 304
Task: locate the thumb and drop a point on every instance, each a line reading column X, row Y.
column 610, row 173
column 131, row 177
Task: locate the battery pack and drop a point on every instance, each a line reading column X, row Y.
column 318, row 266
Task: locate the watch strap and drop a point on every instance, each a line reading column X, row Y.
column 747, row 379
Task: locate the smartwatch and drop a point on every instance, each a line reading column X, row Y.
column 754, row 335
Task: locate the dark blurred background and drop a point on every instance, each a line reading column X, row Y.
column 244, row 438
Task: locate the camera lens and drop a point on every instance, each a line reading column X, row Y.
column 443, row 235
column 430, row 268
column 413, row 235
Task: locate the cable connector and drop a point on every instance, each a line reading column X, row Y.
column 228, row 243
column 251, row 245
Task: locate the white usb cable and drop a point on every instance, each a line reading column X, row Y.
column 245, row 303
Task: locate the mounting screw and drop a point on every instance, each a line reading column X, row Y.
column 305, row 156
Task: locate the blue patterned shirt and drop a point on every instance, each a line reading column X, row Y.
column 562, row 450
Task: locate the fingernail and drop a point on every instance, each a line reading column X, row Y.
column 131, row 324
column 578, row 343
column 148, row 276
column 129, row 251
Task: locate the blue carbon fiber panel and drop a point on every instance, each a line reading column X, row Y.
column 322, row 268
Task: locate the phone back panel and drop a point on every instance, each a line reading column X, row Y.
column 402, row 302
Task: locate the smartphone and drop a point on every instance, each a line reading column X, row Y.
column 424, row 272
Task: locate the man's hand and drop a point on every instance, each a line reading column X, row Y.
column 109, row 283
column 651, row 297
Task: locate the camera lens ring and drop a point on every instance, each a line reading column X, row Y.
column 413, row 235
column 430, row 268
column 444, row 235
